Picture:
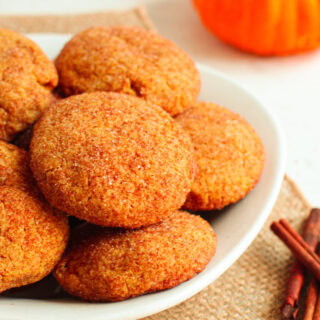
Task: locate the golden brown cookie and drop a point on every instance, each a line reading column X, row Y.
column 110, row 265
column 132, row 61
column 33, row 237
column 14, row 169
column 27, row 78
column 229, row 154
column 112, row 159
column 24, row 138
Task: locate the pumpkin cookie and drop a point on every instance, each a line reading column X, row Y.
column 24, row 138
column 33, row 237
column 132, row 61
column 112, row 159
column 105, row 264
column 14, row 169
column 228, row 152
column 27, row 78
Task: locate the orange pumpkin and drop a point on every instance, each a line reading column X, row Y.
column 265, row 27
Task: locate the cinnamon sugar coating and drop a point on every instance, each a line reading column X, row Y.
column 33, row 237
column 112, row 159
column 105, row 264
column 132, row 61
column 27, row 77
column 14, row 169
column 24, row 138
column 229, row 154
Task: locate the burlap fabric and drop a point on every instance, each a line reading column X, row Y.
column 75, row 23
column 253, row 287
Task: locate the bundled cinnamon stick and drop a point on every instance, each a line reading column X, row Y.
column 316, row 315
column 310, row 233
column 312, row 307
column 312, row 298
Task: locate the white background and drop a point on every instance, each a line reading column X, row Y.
column 289, row 86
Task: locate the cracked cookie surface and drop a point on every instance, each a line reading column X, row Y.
column 228, row 152
column 103, row 264
column 33, row 237
column 112, row 159
column 132, row 61
column 27, row 77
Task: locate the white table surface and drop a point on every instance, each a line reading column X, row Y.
column 289, row 86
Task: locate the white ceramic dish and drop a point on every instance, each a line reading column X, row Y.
column 236, row 227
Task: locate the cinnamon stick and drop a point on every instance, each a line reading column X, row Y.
column 298, row 247
column 299, row 240
column 312, row 307
column 311, row 300
column 290, row 307
column 316, row 315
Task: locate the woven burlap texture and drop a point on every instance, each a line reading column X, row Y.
column 253, row 287
column 75, row 23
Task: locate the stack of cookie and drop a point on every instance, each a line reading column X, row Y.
column 124, row 147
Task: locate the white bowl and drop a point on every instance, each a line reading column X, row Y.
column 236, row 227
